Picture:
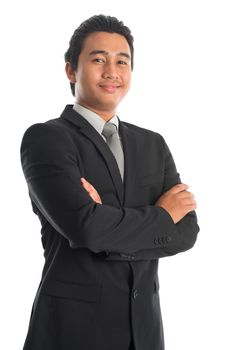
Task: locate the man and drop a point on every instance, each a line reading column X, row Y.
column 110, row 202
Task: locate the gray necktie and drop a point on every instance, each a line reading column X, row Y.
column 112, row 138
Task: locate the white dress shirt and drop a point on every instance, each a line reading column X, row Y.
column 96, row 120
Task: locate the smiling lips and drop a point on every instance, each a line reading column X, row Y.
column 110, row 88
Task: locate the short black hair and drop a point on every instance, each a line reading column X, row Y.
column 97, row 23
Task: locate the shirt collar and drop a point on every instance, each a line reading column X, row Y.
column 93, row 118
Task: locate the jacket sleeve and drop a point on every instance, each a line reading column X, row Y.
column 51, row 169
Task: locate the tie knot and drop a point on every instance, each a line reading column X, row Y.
column 109, row 129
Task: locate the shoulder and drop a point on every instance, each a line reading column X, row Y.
column 50, row 129
column 143, row 132
column 48, row 136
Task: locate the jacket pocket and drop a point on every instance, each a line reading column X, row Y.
column 75, row 291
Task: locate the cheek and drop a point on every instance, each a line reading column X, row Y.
column 88, row 78
column 126, row 76
column 127, row 81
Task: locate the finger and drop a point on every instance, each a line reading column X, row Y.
column 185, row 194
column 82, row 179
column 189, row 201
column 90, row 189
column 179, row 188
column 190, row 193
column 92, row 195
column 86, row 186
column 86, row 183
column 192, row 207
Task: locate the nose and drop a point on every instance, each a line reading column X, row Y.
column 110, row 71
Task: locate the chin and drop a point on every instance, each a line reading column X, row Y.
column 107, row 103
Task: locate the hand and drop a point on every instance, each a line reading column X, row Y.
column 177, row 202
column 91, row 190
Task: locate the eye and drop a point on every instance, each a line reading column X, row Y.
column 98, row 60
column 122, row 62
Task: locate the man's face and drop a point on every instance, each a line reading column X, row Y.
column 103, row 75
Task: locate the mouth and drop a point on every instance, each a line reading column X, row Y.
column 110, row 88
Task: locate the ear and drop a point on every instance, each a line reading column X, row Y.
column 70, row 73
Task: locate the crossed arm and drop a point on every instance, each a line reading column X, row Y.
column 177, row 201
column 53, row 176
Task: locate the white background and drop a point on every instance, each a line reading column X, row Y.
column 183, row 85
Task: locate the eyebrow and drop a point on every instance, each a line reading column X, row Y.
column 96, row 52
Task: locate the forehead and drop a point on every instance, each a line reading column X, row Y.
column 110, row 42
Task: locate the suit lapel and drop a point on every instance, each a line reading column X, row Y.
column 129, row 146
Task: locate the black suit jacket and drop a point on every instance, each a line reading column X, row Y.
column 99, row 285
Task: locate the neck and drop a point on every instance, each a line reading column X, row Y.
column 106, row 115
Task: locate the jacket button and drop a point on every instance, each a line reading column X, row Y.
column 127, row 256
column 169, row 239
column 135, row 293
